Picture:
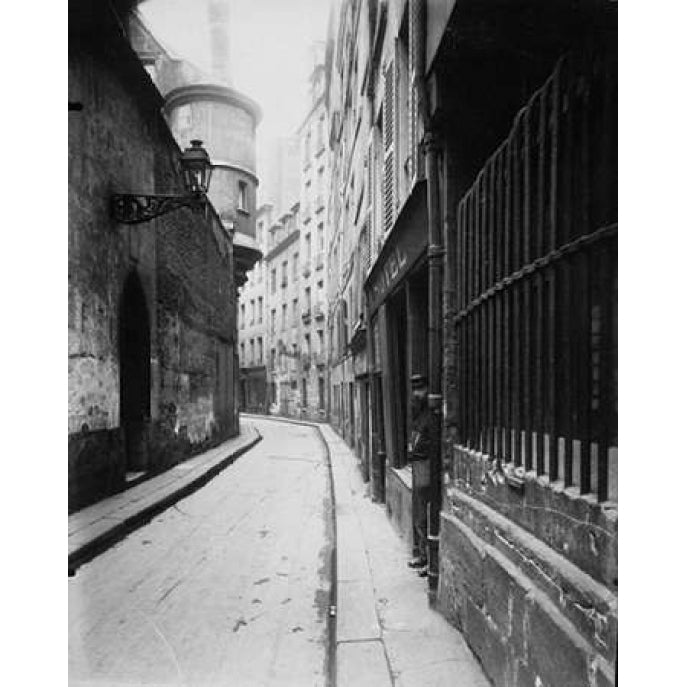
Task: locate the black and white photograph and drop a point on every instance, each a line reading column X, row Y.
column 342, row 344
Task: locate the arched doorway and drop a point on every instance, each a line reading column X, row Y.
column 134, row 372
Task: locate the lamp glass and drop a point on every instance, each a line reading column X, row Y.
column 196, row 168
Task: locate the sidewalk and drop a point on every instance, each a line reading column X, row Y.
column 386, row 633
column 93, row 529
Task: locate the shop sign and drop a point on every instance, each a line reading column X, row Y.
column 406, row 243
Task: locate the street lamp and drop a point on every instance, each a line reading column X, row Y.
column 196, row 169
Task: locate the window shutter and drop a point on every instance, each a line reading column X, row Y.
column 388, row 133
column 364, row 249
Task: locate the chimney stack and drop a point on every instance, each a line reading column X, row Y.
column 218, row 19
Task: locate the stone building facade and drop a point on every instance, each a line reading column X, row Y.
column 283, row 313
column 252, row 319
column 290, row 281
column 153, row 369
column 314, row 196
column 473, row 214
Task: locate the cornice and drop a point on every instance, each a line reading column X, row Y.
column 213, row 92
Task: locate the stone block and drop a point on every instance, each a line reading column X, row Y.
column 556, row 651
column 497, row 585
column 451, row 594
column 505, row 601
column 604, row 675
column 356, row 613
column 362, row 664
column 465, row 553
column 523, row 676
column 487, row 643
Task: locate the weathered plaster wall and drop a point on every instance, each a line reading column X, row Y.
column 119, row 142
column 93, row 367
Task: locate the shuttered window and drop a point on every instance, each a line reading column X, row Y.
column 389, row 118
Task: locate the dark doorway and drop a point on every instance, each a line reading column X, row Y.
column 320, row 393
column 134, row 373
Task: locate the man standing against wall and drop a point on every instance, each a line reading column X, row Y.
column 418, row 455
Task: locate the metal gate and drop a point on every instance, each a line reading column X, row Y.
column 537, row 285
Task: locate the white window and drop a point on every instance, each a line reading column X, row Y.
column 243, row 196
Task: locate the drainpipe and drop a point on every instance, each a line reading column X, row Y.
column 435, row 255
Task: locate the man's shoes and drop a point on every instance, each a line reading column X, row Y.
column 418, row 562
column 422, row 572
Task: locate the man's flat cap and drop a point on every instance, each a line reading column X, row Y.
column 418, row 381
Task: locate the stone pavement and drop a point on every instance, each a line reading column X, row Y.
column 95, row 528
column 386, row 632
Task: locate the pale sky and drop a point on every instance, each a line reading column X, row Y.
column 269, row 48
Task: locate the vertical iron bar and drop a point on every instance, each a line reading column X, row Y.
column 552, row 425
column 478, row 351
column 609, row 324
column 497, row 273
column 567, row 300
column 516, row 414
column 465, row 321
column 540, row 251
column 474, row 384
column 507, row 249
column 492, row 175
column 609, row 365
column 584, row 197
column 483, row 308
column 457, row 328
column 526, row 287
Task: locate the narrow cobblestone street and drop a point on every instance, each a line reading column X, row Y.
column 342, row 345
column 229, row 586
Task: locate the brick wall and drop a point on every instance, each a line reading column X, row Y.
column 119, row 142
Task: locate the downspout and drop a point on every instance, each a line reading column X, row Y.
column 435, row 256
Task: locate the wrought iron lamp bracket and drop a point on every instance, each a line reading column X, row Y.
column 139, row 208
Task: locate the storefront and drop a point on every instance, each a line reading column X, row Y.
column 396, row 293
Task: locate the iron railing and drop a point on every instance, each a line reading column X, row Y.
column 536, row 324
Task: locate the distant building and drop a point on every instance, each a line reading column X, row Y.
column 314, row 197
column 291, row 280
column 280, row 173
column 252, row 326
column 283, row 323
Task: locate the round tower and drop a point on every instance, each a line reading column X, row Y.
column 225, row 120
